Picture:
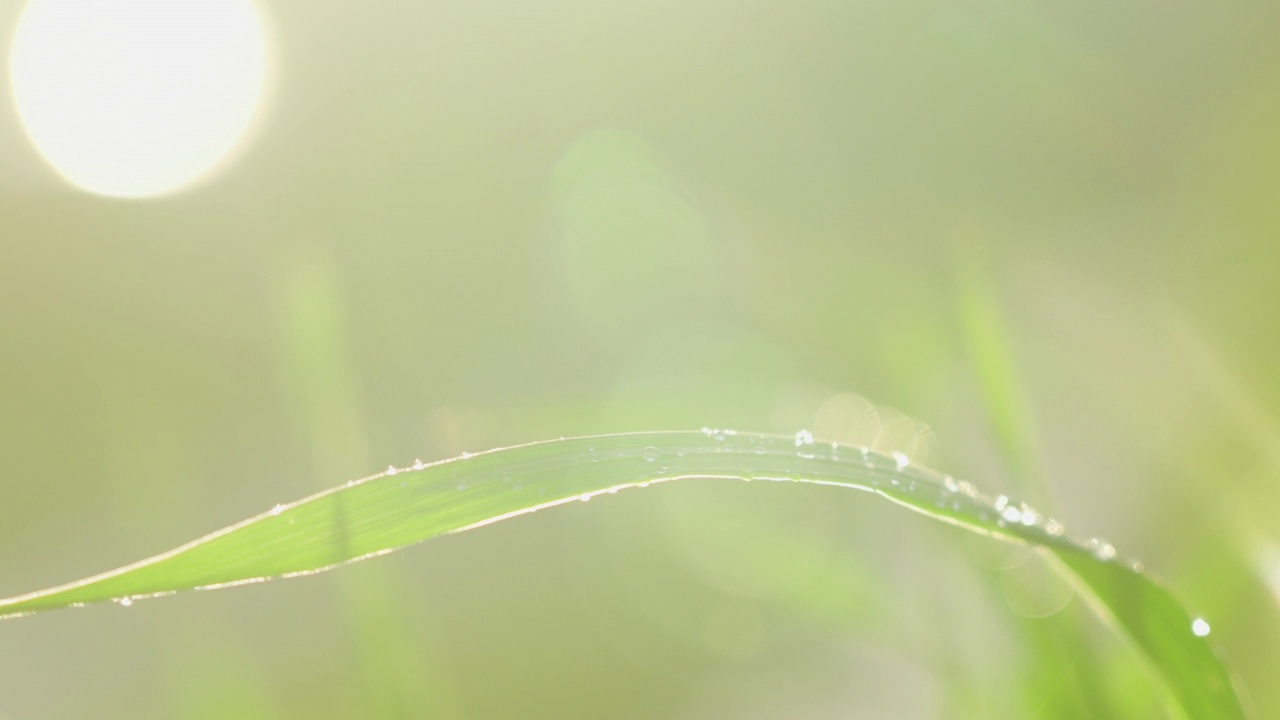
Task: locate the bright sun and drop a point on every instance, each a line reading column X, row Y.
column 133, row 98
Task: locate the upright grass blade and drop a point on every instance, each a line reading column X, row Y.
column 399, row 507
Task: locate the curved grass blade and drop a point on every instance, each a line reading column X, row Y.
column 399, row 507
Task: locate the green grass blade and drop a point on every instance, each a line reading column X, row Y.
column 374, row 516
column 991, row 353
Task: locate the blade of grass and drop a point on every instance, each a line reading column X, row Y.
column 399, row 507
column 1062, row 678
column 986, row 335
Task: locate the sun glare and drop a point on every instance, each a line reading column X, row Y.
column 135, row 98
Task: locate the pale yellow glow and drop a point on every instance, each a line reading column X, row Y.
column 133, row 98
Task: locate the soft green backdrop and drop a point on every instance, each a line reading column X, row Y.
column 1048, row 230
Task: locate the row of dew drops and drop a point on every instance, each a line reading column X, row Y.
column 806, row 448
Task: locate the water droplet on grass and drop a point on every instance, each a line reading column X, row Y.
column 902, row 461
column 391, row 470
column 651, row 454
column 1200, row 627
column 1102, row 549
column 1030, row 516
column 804, row 445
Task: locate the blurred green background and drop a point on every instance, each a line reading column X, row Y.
column 1034, row 243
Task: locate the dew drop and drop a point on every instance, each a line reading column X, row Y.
column 1011, row 513
column 277, row 509
column 804, row 445
column 126, row 601
column 902, row 461
column 1200, row 627
column 1054, row 528
column 418, row 464
column 650, row 454
column 391, row 470
column 1030, row 516
column 950, row 484
column 1102, row 549
column 585, row 497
